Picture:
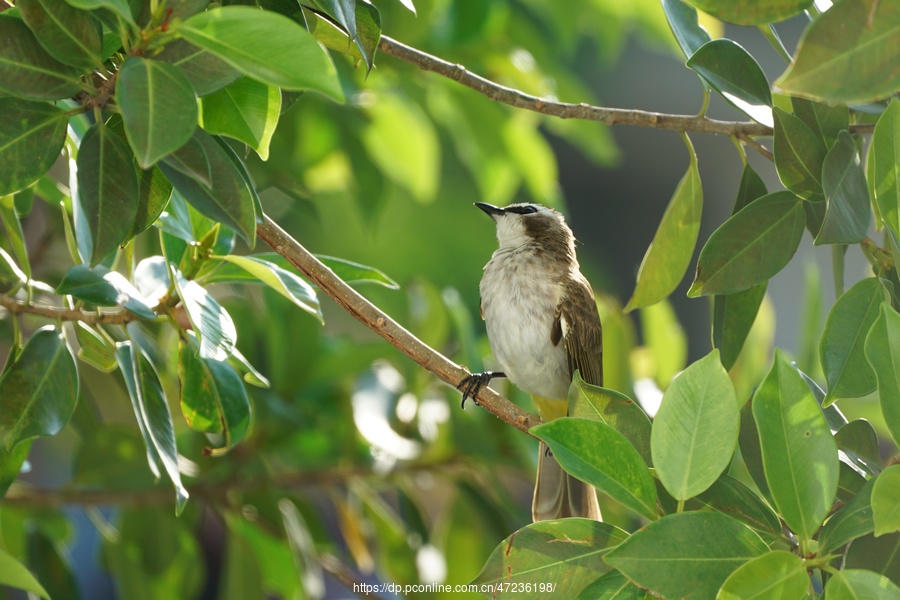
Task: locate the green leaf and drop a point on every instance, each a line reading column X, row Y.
column 733, row 317
column 883, row 354
column 10, row 274
column 227, row 198
column 206, row 72
column 213, row 399
column 848, row 214
column 683, row 21
column 748, row 440
column 885, row 153
column 597, row 454
column 154, row 191
column 611, row 586
column 562, row 553
column 360, row 20
column 107, row 189
column 148, row 399
column 842, row 346
column 120, row 7
column 853, row 584
column 879, row 554
column 27, row 71
column 10, row 219
column 355, row 273
column 886, row 501
column 11, row 464
column 94, row 349
column 799, row 155
column 281, row 280
column 669, row 255
column 776, row 574
column 751, row 246
column 209, row 320
column 69, row 35
column 752, row 12
column 267, row 46
column 103, row 287
column 39, row 391
column 848, row 55
column 731, row 71
column 850, row 522
column 686, row 555
column 412, row 161
column 246, row 110
column 798, row 451
column 613, row 408
column 158, row 107
column 731, row 497
column 695, row 430
column 824, row 120
column 31, row 137
column 859, row 442
column 14, row 574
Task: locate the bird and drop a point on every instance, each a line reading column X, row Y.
column 542, row 324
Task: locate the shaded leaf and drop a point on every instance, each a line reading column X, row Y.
column 597, row 454
column 120, row 7
column 878, row 554
column 265, row 45
column 31, row 137
column 10, row 219
column 848, row 214
column 683, row 20
column 246, row 110
column 798, row 451
column 847, row 55
column 883, row 354
column 611, row 586
column 686, row 555
column 39, row 391
column 154, row 190
column 885, row 159
column 27, row 70
column 69, row 35
column 799, row 155
column 103, row 287
column 850, row 522
column 731, row 497
column 859, row 442
column 666, row 340
column 695, row 430
column 751, row 246
column 11, row 464
column 824, row 120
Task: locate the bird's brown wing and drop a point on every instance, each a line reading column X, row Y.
column 577, row 324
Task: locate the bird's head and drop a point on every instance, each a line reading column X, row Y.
column 524, row 223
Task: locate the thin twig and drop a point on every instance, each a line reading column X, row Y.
column 565, row 110
column 379, row 322
column 64, row 314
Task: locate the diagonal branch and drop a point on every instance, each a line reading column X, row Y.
column 373, row 318
column 565, row 110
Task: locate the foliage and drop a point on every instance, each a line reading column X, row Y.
column 145, row 142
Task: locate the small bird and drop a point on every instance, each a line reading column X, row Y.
column 542, row 324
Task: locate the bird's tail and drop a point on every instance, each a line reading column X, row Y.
column 557, row 494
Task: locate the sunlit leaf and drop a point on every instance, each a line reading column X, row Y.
column 886, row 501
column 281, row 280
column 776, row 574
column 752, row 12
column 14, row 574
column 246, row 110
column 683, row 20
column 209, row 320
column 103, row 287
column 852, row 584
column 119, row 7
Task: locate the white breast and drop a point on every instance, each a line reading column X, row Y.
column 519, row 301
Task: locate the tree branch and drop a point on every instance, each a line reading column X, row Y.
column 65, row 314
column 565, row 110
column 373, row 318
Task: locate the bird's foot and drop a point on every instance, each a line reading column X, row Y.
column 473, row 383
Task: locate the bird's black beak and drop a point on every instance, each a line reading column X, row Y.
column 491, row 210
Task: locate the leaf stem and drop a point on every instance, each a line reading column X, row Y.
column 680, row 506
column 772, row 36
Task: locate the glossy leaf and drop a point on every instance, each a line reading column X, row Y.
column 213, row 399
column 842, row 346
column 824, row 120
column 206, row 72
column 751, row 246
column 347, row 13
column 683, row 20
column 31, row 137
column 695, row 430
column 14, row 574
column 246, row 110
column 103, row 287
column 798, row 451
column 859, row 443
column 686, row 555
column 848, row 215
column 669, row 255
column 10, row 273
column 847, row 55
column 158, row 107
column 69, row 35
column 209, row 320
column 39, row 391
column 799, row 155
column 27, row 70
column 883, row 354
column 228, row 197
column 850, row 522
column 148, row 399
column 731, row 71
column 561, row 553
column 107, row 190
column 776, row 574
column 886, row 501
column 853, row 584
column 266, row 46
column 597, row 454
column 752, row 12
column 281, row 280
column 885, row 159
column 120, row 7
column 613, row 408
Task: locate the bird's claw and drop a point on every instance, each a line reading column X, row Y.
column 473, row 383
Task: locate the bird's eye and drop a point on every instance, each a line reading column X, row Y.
column 523, row 210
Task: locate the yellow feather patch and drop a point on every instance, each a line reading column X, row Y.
column 551, row 409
